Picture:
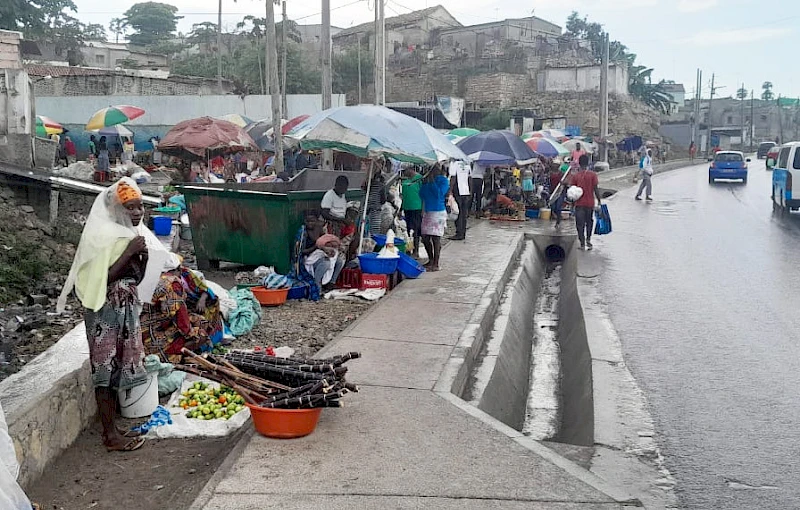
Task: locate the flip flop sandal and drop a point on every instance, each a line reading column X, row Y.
column 132, row 445
column 129, row 433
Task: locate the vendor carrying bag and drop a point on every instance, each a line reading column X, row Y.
column 602, row 223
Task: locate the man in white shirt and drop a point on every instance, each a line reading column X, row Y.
column 334, row 203
column 478, row 173
column 460, row 173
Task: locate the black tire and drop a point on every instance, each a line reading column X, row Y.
column 710, row 180
column 744, row 181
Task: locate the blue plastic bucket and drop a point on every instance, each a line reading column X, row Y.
column 409, row 267
column 371, row 264
column 532, row 213
column 380, row 242
column 162, row 225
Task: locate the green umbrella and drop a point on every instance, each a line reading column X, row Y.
column 464, row 132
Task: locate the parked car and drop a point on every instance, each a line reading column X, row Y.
column 772, row 156
column 728, row 165
column 785, row 171
column 763, row 149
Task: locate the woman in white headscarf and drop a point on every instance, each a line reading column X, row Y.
column 109, row 264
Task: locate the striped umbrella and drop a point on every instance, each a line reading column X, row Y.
column 555, row 134
column 547, row 147
column 464, row 132
column 112, row 116
column 45, row 126
column 292, row 123
column 235, row 118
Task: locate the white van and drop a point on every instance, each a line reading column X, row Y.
column 785, row 173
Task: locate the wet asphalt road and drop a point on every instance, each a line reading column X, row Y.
column 703, row 286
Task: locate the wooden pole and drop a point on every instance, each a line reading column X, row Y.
column 275, row 89
column 604, row 100
column 219, row 48
column 327, row 77
column 284, row 51
column 359, row 68
column 364, row 205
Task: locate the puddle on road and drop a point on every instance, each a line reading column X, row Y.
column 737, row 485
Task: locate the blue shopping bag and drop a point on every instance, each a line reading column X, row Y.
column 602, row 224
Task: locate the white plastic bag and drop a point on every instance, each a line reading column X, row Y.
column 192, row 427
column 574, row 193
column 12, row 497
column 453, row 205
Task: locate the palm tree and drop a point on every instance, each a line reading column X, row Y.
column 655, row 96
column 767, row 94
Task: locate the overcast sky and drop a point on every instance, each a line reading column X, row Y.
column 742, row 41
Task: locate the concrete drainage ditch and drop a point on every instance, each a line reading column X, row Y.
column 532, row 369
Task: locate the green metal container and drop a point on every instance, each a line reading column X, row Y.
column 256, row 223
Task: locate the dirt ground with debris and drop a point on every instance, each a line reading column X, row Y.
column 35, row 258
column 163, row 474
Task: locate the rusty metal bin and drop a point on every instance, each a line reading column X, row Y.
column 255, row 223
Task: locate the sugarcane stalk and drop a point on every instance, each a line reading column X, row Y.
column 304, row 400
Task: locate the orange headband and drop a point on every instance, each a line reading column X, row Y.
column 126, row 193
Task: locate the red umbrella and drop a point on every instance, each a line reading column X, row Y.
column 292, row 123
column 197, row 136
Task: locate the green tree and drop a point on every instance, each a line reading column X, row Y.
column 640, row 86
column 118, row 27
column 152, row 22
column 34, row 17
column 741, row 93
column 203, row 33
column 767, row 94
column 345, row 70
column 94, row 32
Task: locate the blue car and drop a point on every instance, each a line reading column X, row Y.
column 728, row 165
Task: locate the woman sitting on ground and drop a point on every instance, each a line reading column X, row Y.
column 500, row 204
column 184, row 312
column 306, row 244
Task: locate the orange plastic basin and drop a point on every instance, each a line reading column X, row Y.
column 270, row 297
column 284, row 423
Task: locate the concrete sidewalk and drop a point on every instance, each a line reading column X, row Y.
column 401, row 442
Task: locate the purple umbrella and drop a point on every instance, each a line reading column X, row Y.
column 504, row 143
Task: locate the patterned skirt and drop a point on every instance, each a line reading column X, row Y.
column 434, row 223
column 115, row 339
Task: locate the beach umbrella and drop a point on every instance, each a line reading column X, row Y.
column 370, row 131
column 547, row 147
column 502, row 142
column 487, row 158
column 464, row 132
column 113, row 115
column 45, row 126
column 116, row 130
column 454, row 138
column 290, row 124
column 555, row 134
column 570, row 145
column 195, row 137
column 235, row 118
column 257, row 131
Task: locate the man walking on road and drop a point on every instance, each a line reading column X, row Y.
column 584, row 206
column 647, row 173
column 460, row 173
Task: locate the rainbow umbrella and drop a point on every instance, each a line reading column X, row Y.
column 45, row 126
column 235, row 118
column 112, row 116
column 547, row 147
column 288, row 126
column 464, row 132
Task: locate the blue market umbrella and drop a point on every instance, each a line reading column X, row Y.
column 257, row 131
column 504, row 143
column 487, row 158
column 370, row 131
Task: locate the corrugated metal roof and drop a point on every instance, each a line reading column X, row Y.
column 394, row 21
column 46, row 70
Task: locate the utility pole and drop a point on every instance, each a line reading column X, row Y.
column 604, row 99
column 380, row 53
column 284, row 105
column 327, row 77
column 710, row 119
column 219, row 48
column 359, row 67
column 780, row 118
column 274, row 86
column 742, row 113
column 696, row 109
column 752, row 120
